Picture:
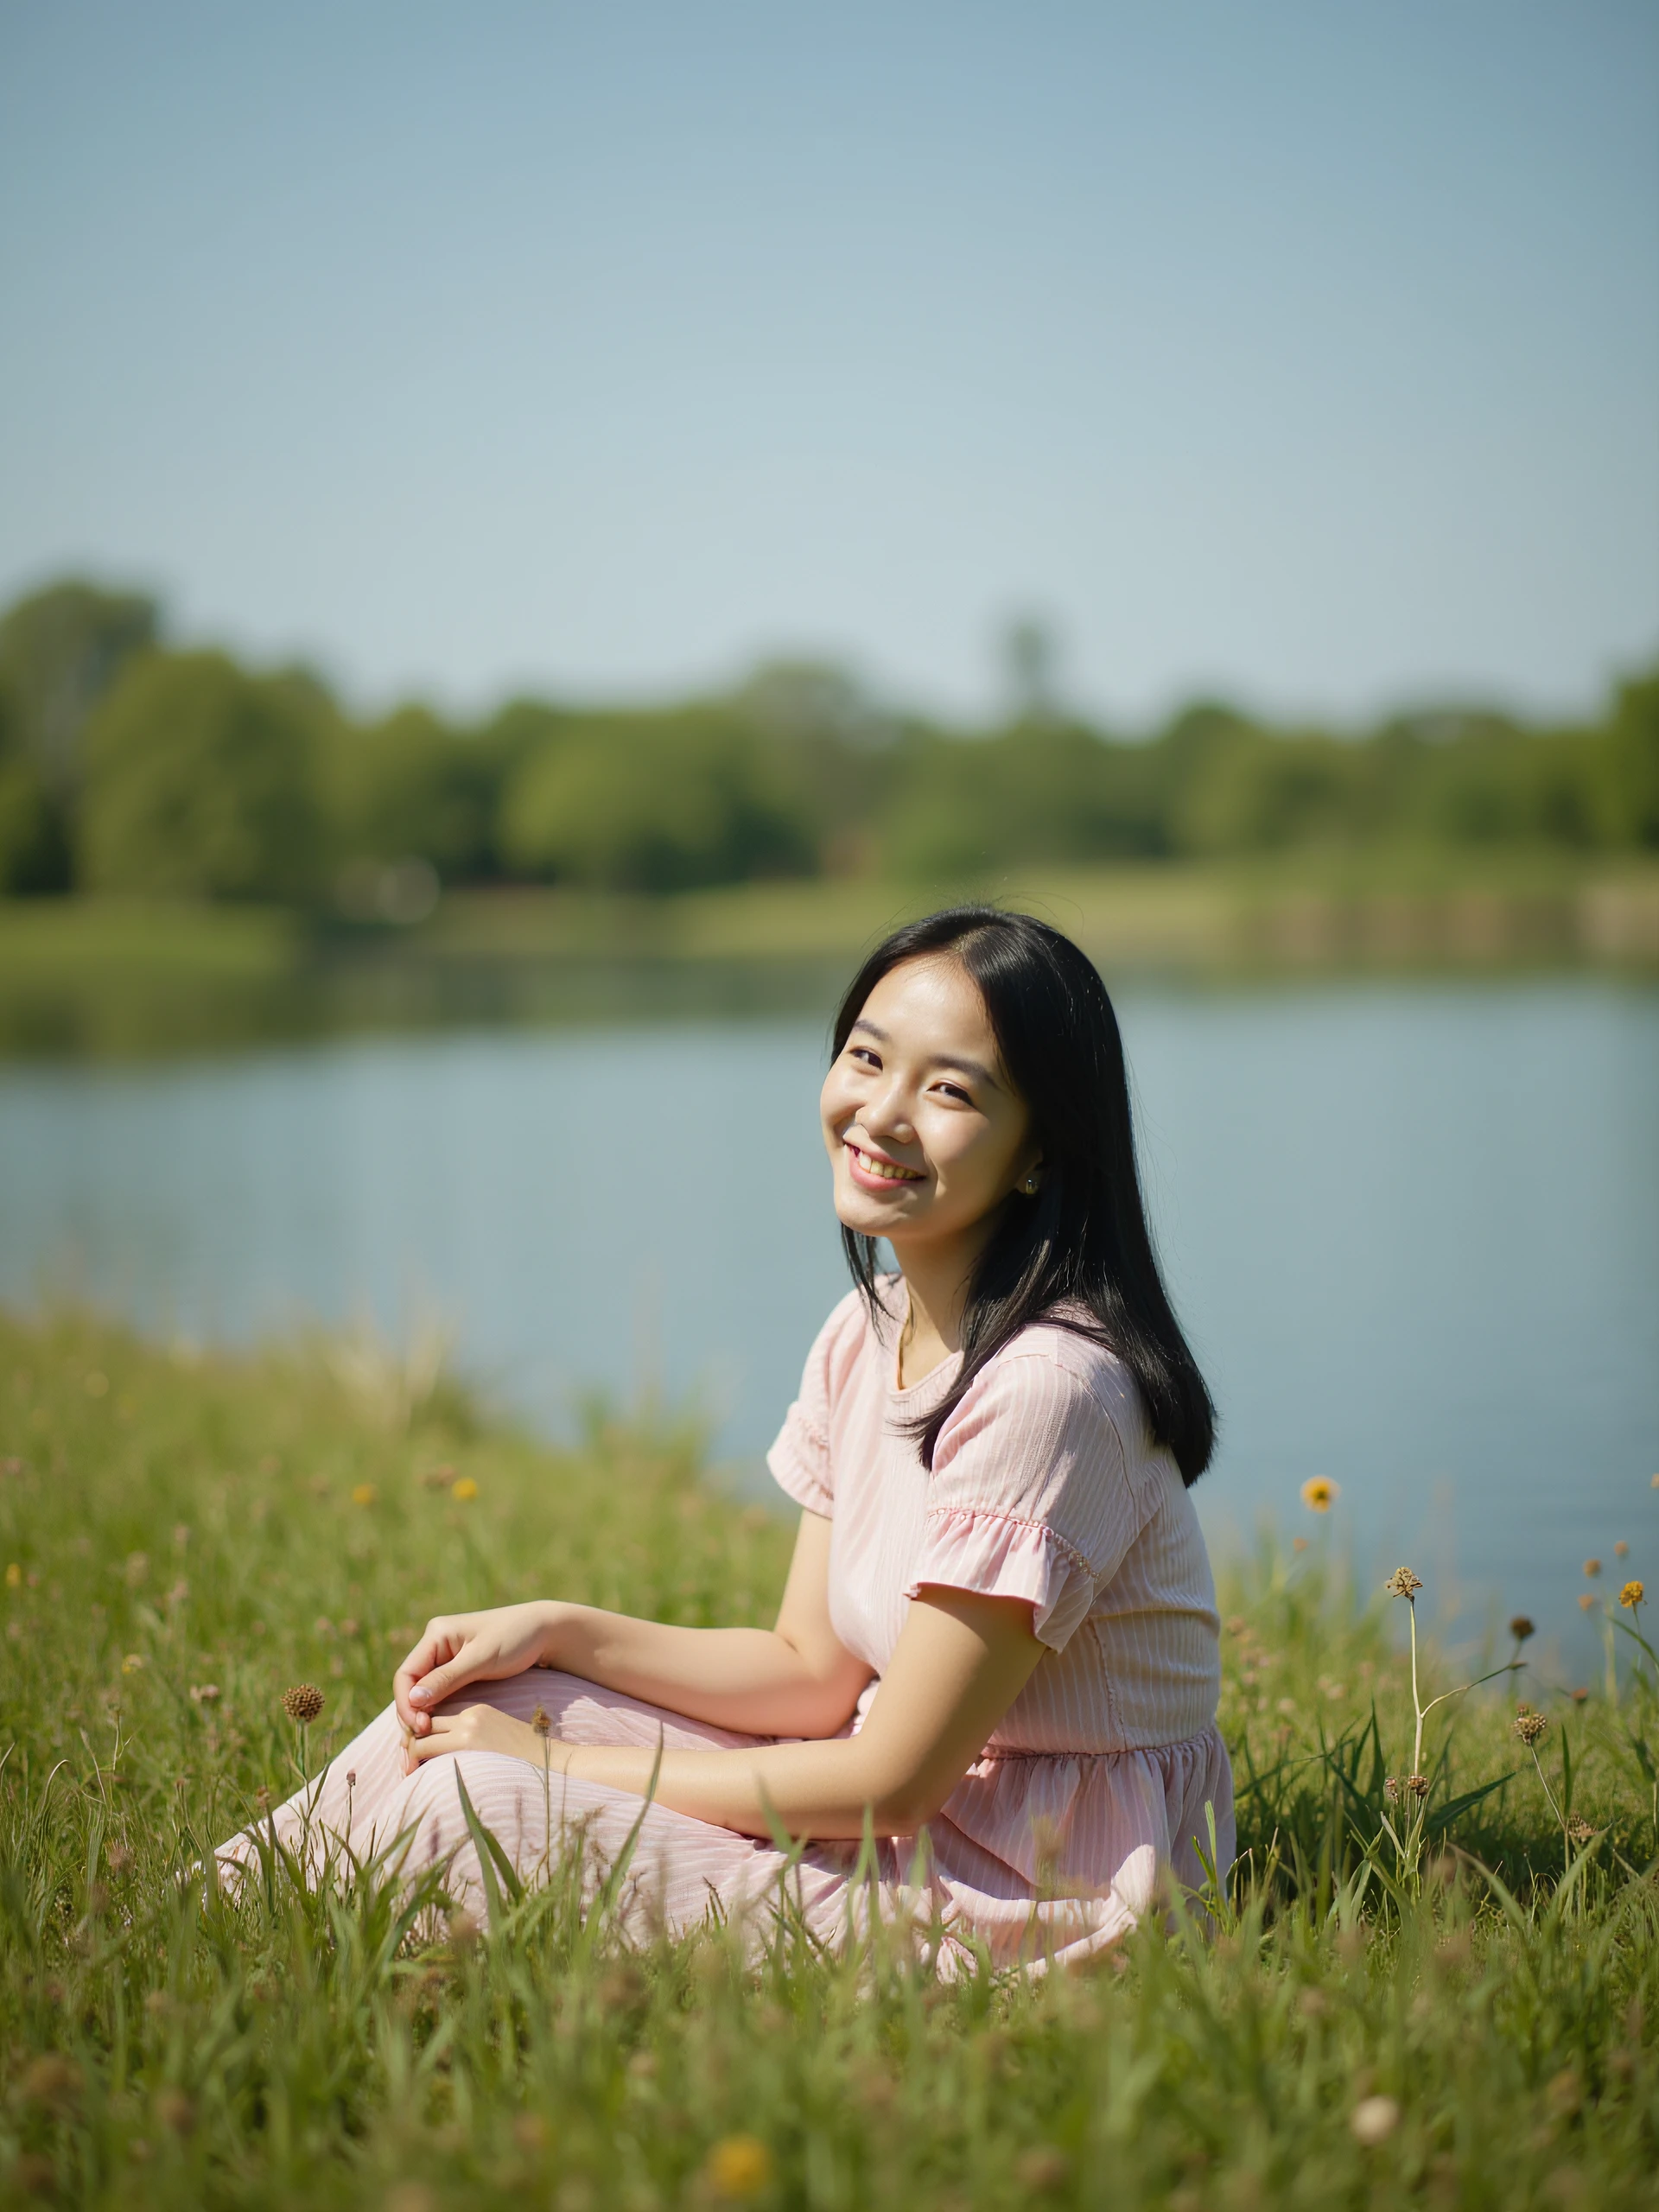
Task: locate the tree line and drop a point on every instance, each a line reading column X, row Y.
column 129, row 765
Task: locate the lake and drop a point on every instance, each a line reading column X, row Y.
column 1413, row 1230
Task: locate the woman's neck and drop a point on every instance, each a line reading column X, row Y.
column 936, row 1284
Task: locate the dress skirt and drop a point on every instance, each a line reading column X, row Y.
column 1039, row 1859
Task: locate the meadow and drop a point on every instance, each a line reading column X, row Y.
column 1434, row 1977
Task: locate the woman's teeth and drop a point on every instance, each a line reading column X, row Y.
column 885, row 1169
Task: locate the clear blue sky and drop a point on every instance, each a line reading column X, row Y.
column 1305, row 351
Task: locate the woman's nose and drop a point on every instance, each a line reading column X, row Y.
column 888, row 1114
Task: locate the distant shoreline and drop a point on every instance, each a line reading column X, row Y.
column 90, row 978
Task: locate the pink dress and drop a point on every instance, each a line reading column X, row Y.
column 1107, row 1776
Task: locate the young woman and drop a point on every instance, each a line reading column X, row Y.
column 999, row 1627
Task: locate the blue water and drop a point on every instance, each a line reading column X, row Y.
column 1414, row 1232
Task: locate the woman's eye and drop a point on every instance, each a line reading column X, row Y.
column 865, row 1057
column 955, row 1090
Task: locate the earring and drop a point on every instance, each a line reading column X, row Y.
column 1031, row 1184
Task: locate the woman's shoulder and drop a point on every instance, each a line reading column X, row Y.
column 1058, row 1360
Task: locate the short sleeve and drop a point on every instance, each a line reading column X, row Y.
column 1031, row 1495
column 800, row 1459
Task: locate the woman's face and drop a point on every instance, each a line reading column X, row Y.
column 926, row 1134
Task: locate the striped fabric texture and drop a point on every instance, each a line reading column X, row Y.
column 1106, row 1777
column 1046, row 1485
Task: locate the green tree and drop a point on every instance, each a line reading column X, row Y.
column 953, row 807
column 34, row 855
column 201, row 781
column 1634, row 760
column 652, row 803
column 61, row 650
column 411, row 786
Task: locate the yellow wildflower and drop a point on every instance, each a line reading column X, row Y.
column 739, row 2166
column 365, row 1494
column 1319, row 1493
column 1632, row 1594
column 465, row 1489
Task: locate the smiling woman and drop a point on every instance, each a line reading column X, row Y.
column 998, row 1642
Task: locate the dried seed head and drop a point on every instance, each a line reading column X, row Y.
column 175, row 2111
column 1042, row 2170
column 1417, row 1786
column 531, row 2133
column 1621, row 1549
column 53, row 2081
column 539, row 1721
column 303, row 1702
column 1632, row 1594
column 1521, row 1627
column 1579, row 1829
column 1587, row 1603
column 1593, row 1567
column 1373, row 2119
column 1402, row 1583
column 1529, row 1726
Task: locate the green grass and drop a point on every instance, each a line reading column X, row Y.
column 1291, row 910
column 178, row 1523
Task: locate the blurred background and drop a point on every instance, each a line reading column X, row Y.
column 528, row 539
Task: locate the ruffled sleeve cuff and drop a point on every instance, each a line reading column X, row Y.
column 997, row 1556
column 799, row 1461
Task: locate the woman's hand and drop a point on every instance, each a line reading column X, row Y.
column 482, row 1728
column 461, row 1648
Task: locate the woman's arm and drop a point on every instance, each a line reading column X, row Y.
column 797, row 1679
column 960, row 1662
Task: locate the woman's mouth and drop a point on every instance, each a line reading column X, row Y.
column 873, row 1173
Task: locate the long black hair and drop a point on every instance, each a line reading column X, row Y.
column 1078, row 1253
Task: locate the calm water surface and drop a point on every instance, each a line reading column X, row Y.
column 1413, row 1232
